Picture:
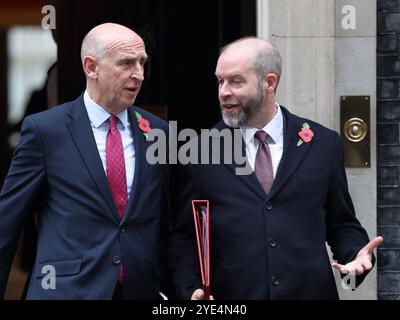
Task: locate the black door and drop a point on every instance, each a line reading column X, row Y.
column 183, row 39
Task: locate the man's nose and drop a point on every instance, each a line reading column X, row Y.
column 138, row 73
column 224, row 91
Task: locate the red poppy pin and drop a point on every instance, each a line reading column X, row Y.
column 144, row 124
column 305, row 134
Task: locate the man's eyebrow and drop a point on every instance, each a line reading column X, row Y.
column 237, row 75
column 135, row 56
column 230, row 76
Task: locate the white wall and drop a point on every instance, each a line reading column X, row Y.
column 31, row 51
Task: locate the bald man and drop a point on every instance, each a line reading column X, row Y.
column 269, row 228
column 81, row 166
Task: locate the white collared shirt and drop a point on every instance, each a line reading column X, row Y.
column 99, row 121
column 274, row 129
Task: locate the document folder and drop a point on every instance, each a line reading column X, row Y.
column 201, row 217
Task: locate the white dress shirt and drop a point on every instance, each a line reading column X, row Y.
column 274, row 129
column 99, row 121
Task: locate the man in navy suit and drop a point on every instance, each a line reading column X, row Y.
column 269, row 228
column 102, row 209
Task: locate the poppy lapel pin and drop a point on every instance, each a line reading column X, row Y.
column 305, row 134
column 144, row 124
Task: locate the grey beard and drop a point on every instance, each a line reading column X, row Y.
column 249, row 109
column 234, row 121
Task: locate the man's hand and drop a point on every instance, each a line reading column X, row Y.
column 199, row 295
column 362, row 262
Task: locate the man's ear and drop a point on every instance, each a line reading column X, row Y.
column 270, row 83
column 90, row 66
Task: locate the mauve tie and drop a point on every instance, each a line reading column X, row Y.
column 263, row 165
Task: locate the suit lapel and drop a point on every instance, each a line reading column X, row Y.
column 250, row 180
column 292, row 155
column 82, row 134
column 141, row 164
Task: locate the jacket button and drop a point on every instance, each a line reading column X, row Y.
column 268, row 205
column 275, row 280
column 272, row 242
column 116, row 260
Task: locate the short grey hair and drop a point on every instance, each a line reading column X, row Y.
column 268, row 60
column 92, row 45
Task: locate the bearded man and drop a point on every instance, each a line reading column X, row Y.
column 269, row 229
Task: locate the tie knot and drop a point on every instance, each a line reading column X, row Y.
column 113, row 121
column 261, row 135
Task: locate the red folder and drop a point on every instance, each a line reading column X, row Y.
column 201, row 219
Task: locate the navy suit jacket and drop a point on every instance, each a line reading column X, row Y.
column 56, row 171
column 271, row 246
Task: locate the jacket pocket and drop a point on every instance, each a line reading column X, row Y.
column 59, row 267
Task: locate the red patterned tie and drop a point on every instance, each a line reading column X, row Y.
column 116, row 173
column 263, row 165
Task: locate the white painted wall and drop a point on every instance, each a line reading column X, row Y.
column 31, row 51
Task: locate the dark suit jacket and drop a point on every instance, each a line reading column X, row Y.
column 271, row 246
column 57, row 172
